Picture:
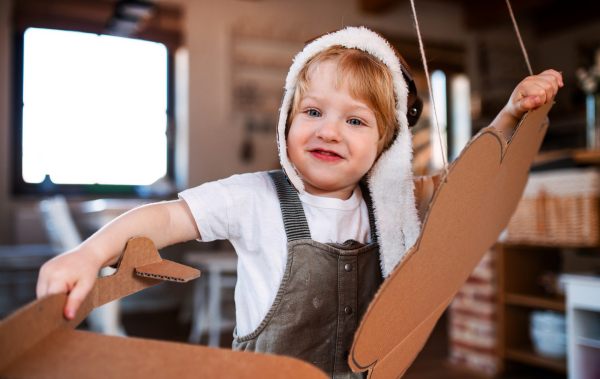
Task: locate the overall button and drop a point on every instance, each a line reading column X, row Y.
column 348, row 310
column 348, row 267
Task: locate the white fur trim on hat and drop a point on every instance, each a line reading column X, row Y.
column 390, row 179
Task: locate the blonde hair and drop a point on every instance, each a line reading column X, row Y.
column 369, row 80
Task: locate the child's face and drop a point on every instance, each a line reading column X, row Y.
column 333, row 138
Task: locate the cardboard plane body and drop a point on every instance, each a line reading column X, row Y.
column 37, row 342
column 470, row 208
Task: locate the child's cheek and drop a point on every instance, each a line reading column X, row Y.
column 292, row 145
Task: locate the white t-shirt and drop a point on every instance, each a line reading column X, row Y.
column 245, row 210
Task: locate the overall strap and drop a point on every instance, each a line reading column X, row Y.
column 294, row 220
column 366, row 194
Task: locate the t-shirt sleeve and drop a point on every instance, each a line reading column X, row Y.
column 233, row 208
column 209, row 208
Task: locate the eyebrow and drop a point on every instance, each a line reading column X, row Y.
column 313, row 97
column 354, row 106
column 363, row 107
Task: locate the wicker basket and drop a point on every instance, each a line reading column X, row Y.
column 558, row 208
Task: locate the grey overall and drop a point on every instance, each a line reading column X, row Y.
column 325, row 291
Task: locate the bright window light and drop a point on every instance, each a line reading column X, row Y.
column 94, row 109
column 438, row 87
column 461, row 113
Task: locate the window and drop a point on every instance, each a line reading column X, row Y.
column 461, row 114
column 94, row 112
column 453, row 116
column 438, row 87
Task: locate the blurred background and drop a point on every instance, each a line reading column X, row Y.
column 106, row 105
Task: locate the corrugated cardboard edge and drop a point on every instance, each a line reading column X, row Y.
column 167, row 270
column 385, row 343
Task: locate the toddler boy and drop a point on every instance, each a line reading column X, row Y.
column 315, row 241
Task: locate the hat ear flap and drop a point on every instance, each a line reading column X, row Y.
column 414, row 102
column 414, row 111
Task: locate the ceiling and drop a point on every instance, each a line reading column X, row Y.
column 547, row 16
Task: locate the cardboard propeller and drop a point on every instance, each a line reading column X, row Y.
column 37, row 341
column 470, row 208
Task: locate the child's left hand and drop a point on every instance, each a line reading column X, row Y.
column 533, row 92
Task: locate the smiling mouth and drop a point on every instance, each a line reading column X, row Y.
column 326, row 155
column 326, row 152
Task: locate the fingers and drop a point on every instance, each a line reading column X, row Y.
column 61, row 278
column 557, row 75
column 527, row 103
column 543, row 86
column 544, row 93
column 56, row 287
column 533, row 92
column 549, row 83
column 76, row 297
column 41, row 288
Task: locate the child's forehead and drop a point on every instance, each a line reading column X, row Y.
column 326, row 74
column 324, row 67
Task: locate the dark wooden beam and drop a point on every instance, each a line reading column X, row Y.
column 548, row 16
column 448, row 57
column 482, row 14
column 92, row 16
column 565, row 15
column 377, row 6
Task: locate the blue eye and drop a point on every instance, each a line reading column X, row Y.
column 314, row 113
column 354, row 121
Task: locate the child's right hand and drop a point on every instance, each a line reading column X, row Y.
column 73, row 273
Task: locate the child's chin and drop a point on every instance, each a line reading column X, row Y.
column 328, row 182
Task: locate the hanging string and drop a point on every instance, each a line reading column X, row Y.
column 512, row 16
column 437, row 124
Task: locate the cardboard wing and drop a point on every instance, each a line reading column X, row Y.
column 470, row 208
column 37, row 342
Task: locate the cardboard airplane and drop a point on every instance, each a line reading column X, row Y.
column 470, row 208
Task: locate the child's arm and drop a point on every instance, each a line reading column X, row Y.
column 531, row 93
column 75, row 271
column 424, row 187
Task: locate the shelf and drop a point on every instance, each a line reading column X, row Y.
column 583, row 156
column 535, row 302
column 541, row 247
column 525, row 355
column 589, row 342
column 579, row 156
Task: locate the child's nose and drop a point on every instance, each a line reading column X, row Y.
column 330, row 130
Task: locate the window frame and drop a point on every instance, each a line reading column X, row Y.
column 20, row 188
